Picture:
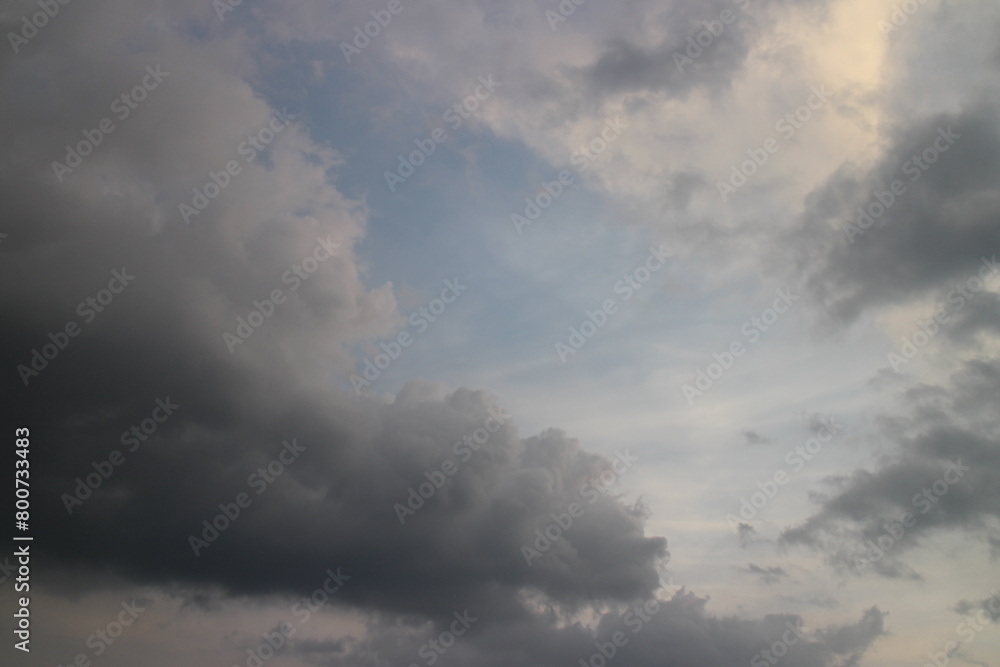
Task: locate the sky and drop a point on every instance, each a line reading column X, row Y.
column 550, row 333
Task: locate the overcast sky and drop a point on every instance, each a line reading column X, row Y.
column 506, row 332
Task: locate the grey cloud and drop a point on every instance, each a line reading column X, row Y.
column 768, row 575
column 990, row 606
column 162, row 338
column 626, row 66
column 851, row 641
column 679, row 632
column 980, row 316
column 942, row 428
column 755, row 438
column 933, row 236
column 746, row 535
column 886, row 377
column 689, row 57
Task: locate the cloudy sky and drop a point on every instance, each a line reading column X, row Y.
column 405, row 333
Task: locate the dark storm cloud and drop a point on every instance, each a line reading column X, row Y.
column 674, row 631
column 160, row 342
column 940, row 478
column 929, row 238
column 161, row 338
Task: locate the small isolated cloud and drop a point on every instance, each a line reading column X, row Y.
column 754, row 438
column 767, row 575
